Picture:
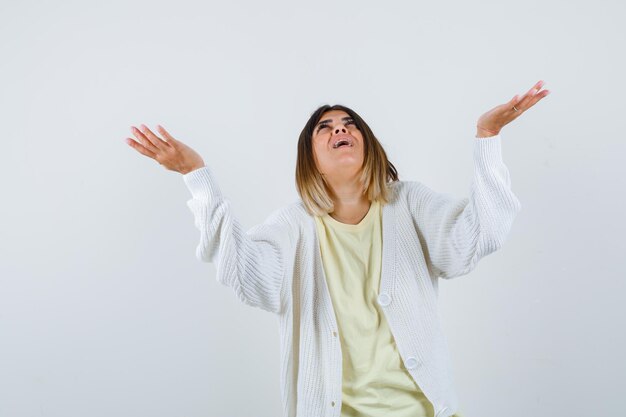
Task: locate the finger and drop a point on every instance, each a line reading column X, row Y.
column 169, row 138
column 156, row 141
column 533, row 90
column 536, row 98
column 140, row 148
column 514, row 104
column 143, row 139
column 532, row 96
column 538, row 85
column 526, row 99
column 541, row 94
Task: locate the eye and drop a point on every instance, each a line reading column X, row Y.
column 324, row 125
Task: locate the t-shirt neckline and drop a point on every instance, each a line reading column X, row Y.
column 346, row 226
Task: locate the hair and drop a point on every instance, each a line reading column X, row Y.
column 376, row 171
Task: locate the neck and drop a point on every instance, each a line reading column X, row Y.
column 351, row 205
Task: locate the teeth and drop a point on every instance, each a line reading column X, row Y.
column 347, row 142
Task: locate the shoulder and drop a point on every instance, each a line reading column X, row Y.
column 416, row 194
column 292, row 214
column 402, row 189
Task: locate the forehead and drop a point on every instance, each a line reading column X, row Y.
column 334, row 114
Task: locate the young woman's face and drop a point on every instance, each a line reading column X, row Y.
column 343, row 161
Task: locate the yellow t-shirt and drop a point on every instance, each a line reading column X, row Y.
column 375, row 381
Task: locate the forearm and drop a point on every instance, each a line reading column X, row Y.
column 251, row 262
column 460, row 231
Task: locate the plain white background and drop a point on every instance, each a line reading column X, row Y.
column 104, row 309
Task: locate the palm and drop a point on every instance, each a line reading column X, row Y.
column 503, row 114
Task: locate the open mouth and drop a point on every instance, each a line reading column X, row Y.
column 342, row 143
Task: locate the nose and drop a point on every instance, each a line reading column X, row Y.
column 340, row 129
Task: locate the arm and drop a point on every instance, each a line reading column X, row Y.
column 459, row 232
column 252, row 263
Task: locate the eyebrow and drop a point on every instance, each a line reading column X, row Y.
column 330, row 120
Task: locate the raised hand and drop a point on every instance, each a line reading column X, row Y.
column 490, row 123
column 169, row 152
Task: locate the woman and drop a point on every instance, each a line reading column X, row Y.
column 352, row 267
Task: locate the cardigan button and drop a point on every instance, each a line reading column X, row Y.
column 335, row 334
column 410, row 363
column 384, row 299
column 332, row 403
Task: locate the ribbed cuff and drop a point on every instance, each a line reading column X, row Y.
column 488, row 151
column 201, row 183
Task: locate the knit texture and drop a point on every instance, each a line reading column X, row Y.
column 276, row 266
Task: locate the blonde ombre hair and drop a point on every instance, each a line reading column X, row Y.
column 376, row 171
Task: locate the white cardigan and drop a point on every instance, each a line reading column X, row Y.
column 276, row 266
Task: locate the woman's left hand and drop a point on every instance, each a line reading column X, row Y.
column 490, row 123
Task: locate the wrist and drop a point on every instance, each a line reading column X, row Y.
column 193, row 168
column 484, row 132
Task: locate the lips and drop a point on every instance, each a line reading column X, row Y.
column 342, row 138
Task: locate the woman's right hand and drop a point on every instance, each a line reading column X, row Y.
column 169, row 152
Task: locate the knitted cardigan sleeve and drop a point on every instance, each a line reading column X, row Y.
column 460, row 231
column 252, row 263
